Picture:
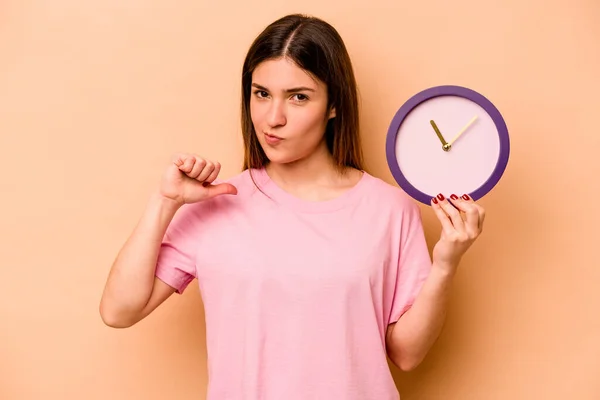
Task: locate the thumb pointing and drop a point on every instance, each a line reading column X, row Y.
column 221, row 188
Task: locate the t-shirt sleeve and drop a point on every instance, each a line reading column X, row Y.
column 176, row 263
column 414, row 262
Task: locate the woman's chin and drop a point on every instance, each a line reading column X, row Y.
column 282, row 158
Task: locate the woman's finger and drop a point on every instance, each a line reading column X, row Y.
column 447, row 226
column 453, row 213
column 209, row 167
column 179, row 159
column 197, row 168
column 187, row 164
column 211, row 178
column 480, row 210
column 471, row 212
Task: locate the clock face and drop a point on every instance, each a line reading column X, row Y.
column 447, row 139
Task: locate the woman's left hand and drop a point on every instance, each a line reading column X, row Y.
column 461, row 226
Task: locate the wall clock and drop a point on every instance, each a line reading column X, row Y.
column 447, row 139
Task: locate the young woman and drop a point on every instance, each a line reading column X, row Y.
column 312, row 271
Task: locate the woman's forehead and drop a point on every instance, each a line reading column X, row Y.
column 282, row 74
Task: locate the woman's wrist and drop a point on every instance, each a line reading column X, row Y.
column 444, row 270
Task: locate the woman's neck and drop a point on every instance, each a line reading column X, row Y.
column 314, row 178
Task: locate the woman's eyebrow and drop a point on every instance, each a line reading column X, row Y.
column 292, row 90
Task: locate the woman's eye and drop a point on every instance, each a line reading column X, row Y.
column 261, row 93
column 301, row 97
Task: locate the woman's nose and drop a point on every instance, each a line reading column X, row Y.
column 276, row 116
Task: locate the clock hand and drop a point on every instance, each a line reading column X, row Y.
column 459, row 134
column 438, row 133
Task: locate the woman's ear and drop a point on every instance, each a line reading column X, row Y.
column 332, row 113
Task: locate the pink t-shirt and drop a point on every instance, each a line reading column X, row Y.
column 298, row 294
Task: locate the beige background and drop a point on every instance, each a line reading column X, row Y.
column 96, row 95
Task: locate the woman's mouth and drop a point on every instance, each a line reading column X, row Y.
column 272, row 139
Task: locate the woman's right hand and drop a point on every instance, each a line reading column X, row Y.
column 189, row 179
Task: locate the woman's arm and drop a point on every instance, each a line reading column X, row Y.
column 410, row 338
column 132, row 291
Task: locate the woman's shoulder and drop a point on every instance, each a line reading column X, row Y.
column 386, row 194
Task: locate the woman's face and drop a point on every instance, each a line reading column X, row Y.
column 289, row 111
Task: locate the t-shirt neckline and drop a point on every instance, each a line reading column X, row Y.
column 281, row 196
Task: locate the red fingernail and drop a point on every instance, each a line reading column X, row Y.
column 441, row 197
column 454, row 197
column 465, row 196
column 435, row 200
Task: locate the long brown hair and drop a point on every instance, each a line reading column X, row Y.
column 316, row 47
